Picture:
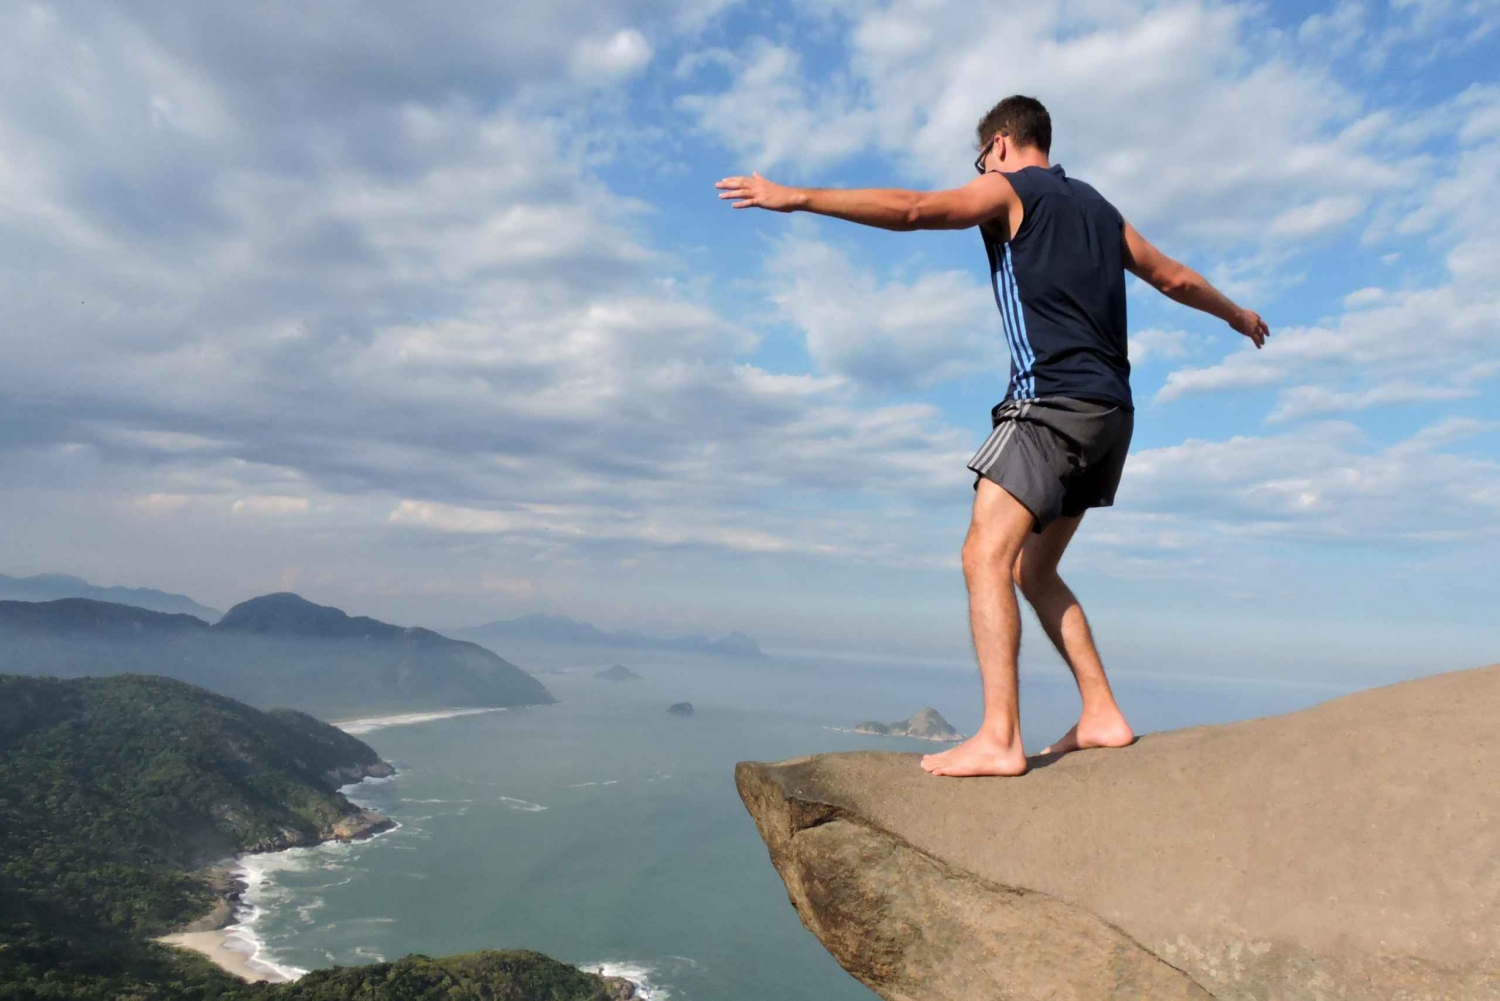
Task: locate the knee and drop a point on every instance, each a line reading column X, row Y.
column 1034, row 581
column 982, row 553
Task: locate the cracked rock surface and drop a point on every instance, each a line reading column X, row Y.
column 1345, row 852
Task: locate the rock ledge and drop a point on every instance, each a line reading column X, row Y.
column 1344, row 852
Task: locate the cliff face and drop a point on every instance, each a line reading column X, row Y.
column 1345, row 852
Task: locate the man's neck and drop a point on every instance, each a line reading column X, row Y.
column 1023, row 160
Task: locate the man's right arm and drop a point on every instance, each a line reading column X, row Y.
column 1181, row 283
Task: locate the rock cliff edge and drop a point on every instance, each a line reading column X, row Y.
column 1344, row 852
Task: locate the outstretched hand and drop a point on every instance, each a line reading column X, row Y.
column 1249, row 323
column 757, row 192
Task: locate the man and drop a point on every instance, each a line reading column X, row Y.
column 1058, row 253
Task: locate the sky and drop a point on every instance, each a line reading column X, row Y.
column 432, row 313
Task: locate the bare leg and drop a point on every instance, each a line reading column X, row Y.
column 998, row 530
column 1101, row 724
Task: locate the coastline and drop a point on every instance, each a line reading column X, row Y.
column 216, row 946
column 231, row 944
column 365, row 724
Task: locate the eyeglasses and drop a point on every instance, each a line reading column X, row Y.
column 979, row 162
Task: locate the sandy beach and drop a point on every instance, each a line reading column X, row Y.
column 367, row 723
column 215, row 945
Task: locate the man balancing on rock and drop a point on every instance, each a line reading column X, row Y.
column 1058, row 253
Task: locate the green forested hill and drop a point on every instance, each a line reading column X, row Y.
column 114, row 790
column 277, row 649
column 111, row 788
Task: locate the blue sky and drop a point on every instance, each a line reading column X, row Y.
column 435, row 316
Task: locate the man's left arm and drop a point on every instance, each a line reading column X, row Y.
column 885, row 208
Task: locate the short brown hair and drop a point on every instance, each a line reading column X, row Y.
column 1023, row 119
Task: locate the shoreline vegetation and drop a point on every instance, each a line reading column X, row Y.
column 116, row 796
column 217, row 934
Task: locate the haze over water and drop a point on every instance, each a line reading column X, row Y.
column 603, row 831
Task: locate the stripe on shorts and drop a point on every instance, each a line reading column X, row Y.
column 989, row 453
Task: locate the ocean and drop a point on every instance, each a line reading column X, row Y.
column 607, row 833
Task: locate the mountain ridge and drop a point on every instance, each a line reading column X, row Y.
column 51, row 586
column 277, row 649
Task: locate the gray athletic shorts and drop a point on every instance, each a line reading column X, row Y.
column 1056, row 455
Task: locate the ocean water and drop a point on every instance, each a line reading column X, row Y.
column 607, row 833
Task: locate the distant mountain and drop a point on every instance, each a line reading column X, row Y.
column 278, row 649
column 561, row 629
column 51, row 586
column 928, row 724
column 287, row 614
column 618, row 673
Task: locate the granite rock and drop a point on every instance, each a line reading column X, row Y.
column 1344, row 852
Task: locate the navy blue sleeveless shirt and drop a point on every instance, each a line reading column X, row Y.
column 1060, row 285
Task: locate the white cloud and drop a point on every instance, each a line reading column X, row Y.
column 1311, row 401
column 938, row 326
column 410, row 299
column 449, row 518
column 1321, row 481
column 1363, row 297
column 767, row 118
column 610, row 59
column 288, row 304
column 1191, row 121
column 270, row 505
column 1153, row 343
column 598, row 523
column 1312, row 218
column 1336, row 31
column 1395, row 345
column 161, row 504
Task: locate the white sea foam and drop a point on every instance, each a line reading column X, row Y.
column 241, row 936
column 611, row 782
column 368, row 723
column 521, row 804
column 580, row 785
column 262, row 893
column 637, row 973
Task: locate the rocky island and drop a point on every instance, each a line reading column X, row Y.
column 1343, row 852
column 618, row 673
column 928, row 724
column 680, row 709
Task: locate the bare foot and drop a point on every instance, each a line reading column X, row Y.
column 981, row 754
column 1094, row 730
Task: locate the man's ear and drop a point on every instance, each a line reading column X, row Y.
column 1000, row 147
